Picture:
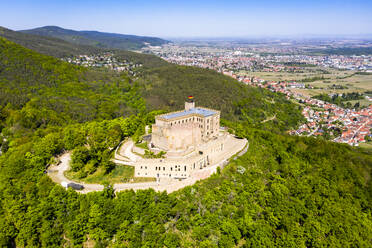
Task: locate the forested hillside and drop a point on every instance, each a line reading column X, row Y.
column 166, row 86
column 37, row 91
column 284, row 192
column 97, row 39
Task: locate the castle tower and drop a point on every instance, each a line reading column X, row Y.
column 189, row 104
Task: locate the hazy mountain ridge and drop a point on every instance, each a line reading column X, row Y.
column 97, row 39
column 47, row 45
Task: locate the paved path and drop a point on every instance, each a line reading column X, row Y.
column 125, row 151
column 269, row 119
column 56, row 173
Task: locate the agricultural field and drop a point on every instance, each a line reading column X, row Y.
column 367, row 145
column 322, row 80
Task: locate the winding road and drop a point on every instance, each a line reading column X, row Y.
column 56, row 173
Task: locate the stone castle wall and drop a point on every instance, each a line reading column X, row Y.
column 202, row 156
column 177, row 137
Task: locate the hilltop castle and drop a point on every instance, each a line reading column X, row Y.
column 180, row 131
column 192, row 140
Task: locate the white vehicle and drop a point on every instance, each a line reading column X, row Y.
column 64, row 184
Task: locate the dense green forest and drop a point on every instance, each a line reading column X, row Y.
column 285, row 191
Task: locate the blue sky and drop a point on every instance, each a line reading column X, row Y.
column 234, row 18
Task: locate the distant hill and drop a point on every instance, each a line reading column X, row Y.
column 47, row 45
column 97, row 39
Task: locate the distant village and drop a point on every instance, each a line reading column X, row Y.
column 267, row 59
column 105, row 60
column 349, row 126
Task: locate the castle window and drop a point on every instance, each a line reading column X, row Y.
column 185, row 167
column 146, row 167
column 141, row 167
column 171, row 168
column 163, row 168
